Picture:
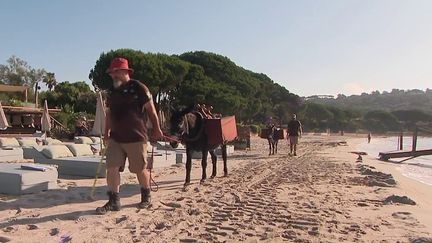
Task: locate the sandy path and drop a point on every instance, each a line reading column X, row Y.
column 315, row 196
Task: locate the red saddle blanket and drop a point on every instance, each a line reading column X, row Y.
column 221, row 130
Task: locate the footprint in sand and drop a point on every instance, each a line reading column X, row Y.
column 9, row 229
column 403, row 216
column 5, row 239
column 32, row 227
column 171, row 204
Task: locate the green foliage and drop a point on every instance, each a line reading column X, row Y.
column 202, row 77
column 316, row 113
column 379, row 112
column 255, row 129
column 234, row 90
column 381, row 121
column 50, row 80
column 412, row 115
column 68, row 118
column 76, row 97
column 18, row 72
column 15, row 102
column 160, row 72
column 389, row 101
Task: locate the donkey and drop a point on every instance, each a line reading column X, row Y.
column 189, row 126
column 273, row 140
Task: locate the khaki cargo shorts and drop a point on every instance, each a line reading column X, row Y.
column 294, row 139
column 136, row 153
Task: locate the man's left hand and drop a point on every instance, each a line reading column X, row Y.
column 156, row 135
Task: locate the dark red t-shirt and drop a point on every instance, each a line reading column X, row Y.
column 127, row 114
column 294, row 128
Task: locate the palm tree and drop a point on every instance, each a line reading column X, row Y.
column 50, row 80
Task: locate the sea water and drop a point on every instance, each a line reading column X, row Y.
column 419, row 168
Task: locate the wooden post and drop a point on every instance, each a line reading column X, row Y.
column 398, row 146
column 401, row 141
column 414, row 144
column 36, row 94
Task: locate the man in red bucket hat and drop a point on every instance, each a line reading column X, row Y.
column 129, row 104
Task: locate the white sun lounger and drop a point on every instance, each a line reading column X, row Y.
column 82, row 164
column 11, row 154
column 85, row 166
column 16, row 180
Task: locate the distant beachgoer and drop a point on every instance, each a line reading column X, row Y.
column 129, row 101
column 294, row 132
column 369, row 137
column 81, row 127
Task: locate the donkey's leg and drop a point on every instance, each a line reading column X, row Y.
column 273, row 147
column 276, row 145
column 270, row 146
column 225, row 158
column 204, row 165
column 188, row 165
column 214, row 163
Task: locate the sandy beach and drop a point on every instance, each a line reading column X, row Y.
column 322, row 195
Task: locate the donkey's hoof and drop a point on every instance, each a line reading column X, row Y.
column 226, row 174
column 212, row 176
column 186, row 184
column 202, row 181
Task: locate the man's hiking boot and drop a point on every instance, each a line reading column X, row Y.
column 145, row 198
column 113, row 204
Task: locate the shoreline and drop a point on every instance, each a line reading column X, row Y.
column 420, row 192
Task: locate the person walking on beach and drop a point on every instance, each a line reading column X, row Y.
column 294, row 132
column 129, row 103
column 369, row 137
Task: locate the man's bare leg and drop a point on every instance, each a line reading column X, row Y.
column 113, row 179
column 144, row 178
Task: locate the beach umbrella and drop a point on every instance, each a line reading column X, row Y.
column 99, row 129
column 45, row 119
column 162, row 120
column 3, row 121
column 99, row 123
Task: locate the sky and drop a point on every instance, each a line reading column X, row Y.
column 309, row 46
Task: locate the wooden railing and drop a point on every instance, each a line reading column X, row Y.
column 56, row 124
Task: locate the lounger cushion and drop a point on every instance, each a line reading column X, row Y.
column 57, row 151
column 27, row 142
column 83, row 140
column 52, row 141
column 9, row 142
column 95, row 139
column 80, row 149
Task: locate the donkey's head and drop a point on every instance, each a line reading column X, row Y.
column 178, row 123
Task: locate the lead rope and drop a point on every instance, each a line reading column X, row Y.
column 151, row 178
column 152, row 159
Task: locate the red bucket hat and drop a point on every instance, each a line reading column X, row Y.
column 119, row 63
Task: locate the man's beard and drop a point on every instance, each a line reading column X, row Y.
column 117, row 83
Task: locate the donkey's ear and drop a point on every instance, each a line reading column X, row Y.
column 172, row 109
column 189, row 108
